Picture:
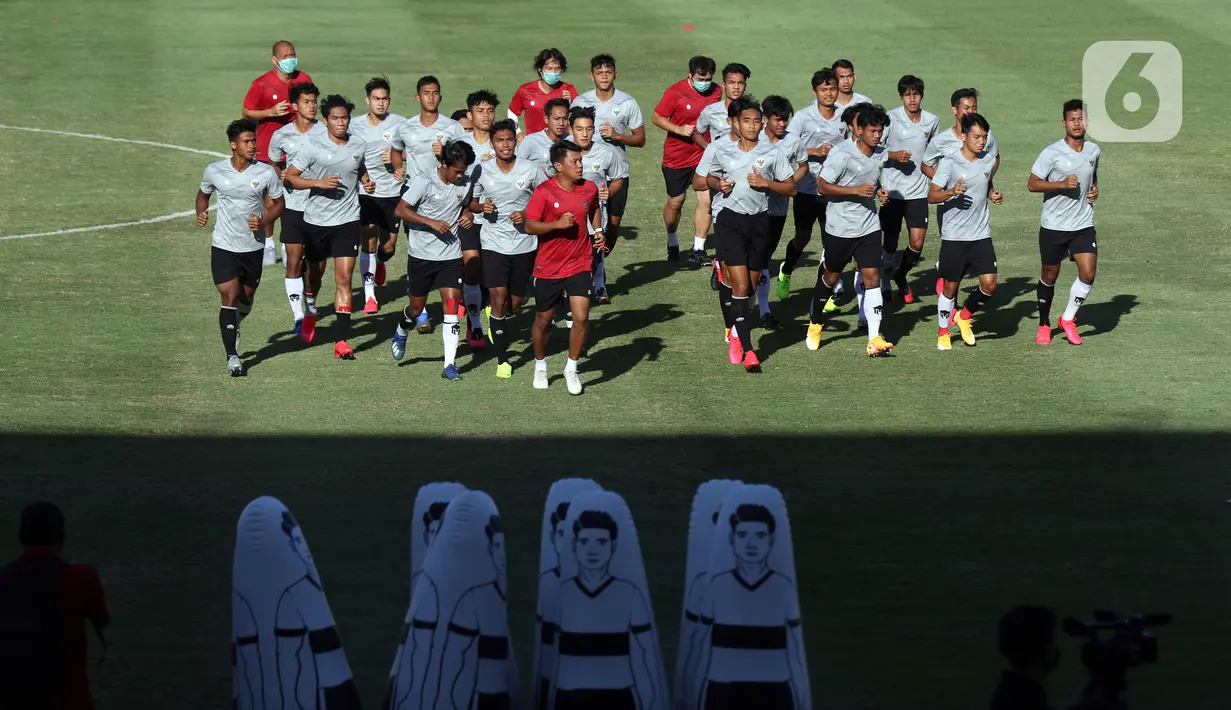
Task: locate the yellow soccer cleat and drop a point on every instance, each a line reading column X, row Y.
column 968, row 332
column 943, row 342
column 877, row 347
column 813, row 341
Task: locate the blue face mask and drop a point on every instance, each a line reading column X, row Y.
column 702, row 86
column 551, row 77
column 286, row 66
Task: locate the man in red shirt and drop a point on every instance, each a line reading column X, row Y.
column 563, row 212
column 532, row 96
column 44, row 604
column 677, row 114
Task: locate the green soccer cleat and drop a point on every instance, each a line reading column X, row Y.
column 504, row 370
column 784, row 285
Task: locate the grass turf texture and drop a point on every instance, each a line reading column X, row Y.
column 930, row 492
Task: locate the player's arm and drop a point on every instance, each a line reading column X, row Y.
column 939, row 191
column 253, row 98
column 827, row 182
column 786, row 187
column 662, row 111
column 1039, row 183
column 595, row 218
column 272, row 212
column 536, row 213
column 202, row 208
column 615, row 186
column 295, row 178
column 635, row 138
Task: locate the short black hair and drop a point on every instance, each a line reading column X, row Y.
column 578, row 112
column 376, row 82
column 298, row 90
column 504, row 124
column 777, row 106
column 547, row 107
column 850, row 112
column 842, row 64
column 592, row 519
column 960, row 94
column 482, row 96
column 871, row 115
column 971, row 120
column 753, row 513
column 823, row 76
column 494, row 527
column 333, row 101
column 1073, row 105
column 459, row 114
column 42, row 525
column 434, row 512
column 1025, row 633
column 741, row 105
column 558, row 150
column 239, row 127
column 560, row 514
column 457, row 151
column 546, row 55
column 910, row 82
column 703, row 65
column 426, row 81
column 599, row 61
column 736, row 68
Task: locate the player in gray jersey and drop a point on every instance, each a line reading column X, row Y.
column 378, row 129
column 844, row 73
column 700, row 183
column 618, row 121
column 850, row 180
column 434, row 209
column 482, row 108
column 962, row 186
column 502, row 190
column 778, row 112
column 910, row 131
column 605, row 167
column 238, row 242
column 283, row 146
column 425, row 135
column 332, row 167
column 712, row 123
column 1066, row 172
column 536, row 147
column 745, row 174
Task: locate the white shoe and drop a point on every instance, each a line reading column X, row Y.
column 271, row 254
column 573, row 380
column 540, row 379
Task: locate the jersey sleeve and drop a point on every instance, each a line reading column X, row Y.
column 783, row 164
column 619, row 165
column 706, row 166
column 931, row 154
column 274, row 187
column 415, row 191
column 398, row 143
column 207, row 182
column 252, row 101
column 666, row 105
column 517, row 105
column 537, row 208
column 1042, row 164
column 831, row 169
column 276, row 154
column 303, row 158
column 944, row 172
column 635, row 119
column 993, row 146
column 539, row 178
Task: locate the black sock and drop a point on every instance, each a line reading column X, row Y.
column 724, row 302
column 500, row 341
column 343, row 324
column 793, row 254
column 976, row 300
column 383, row 257
column 408, row 321
column 743, row 325
column 228, row 323
column 820, row 296
column 1047, row 293
column 910, row 257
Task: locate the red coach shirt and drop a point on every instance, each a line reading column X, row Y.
column 266, row 92
column 529, row 101
column 563, row 252
column 681, row 104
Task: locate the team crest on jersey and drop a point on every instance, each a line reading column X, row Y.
column 596, row 166
column 760, row 162
column 521, row 184
column 615, row 111
column 586, row 204
column 387, row 135
column 441, row 136
column 356, row 157
column 255, row 184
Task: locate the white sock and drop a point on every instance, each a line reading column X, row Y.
column 472, row 294
column 873, row 303
column 540, row 365
column 367, row 271
column 673, row 239
column 401, row 331
column 944, row 309
column 698, row 243
column 450, row 332
column 294, row 294
column 600, row 272
column 570, row 366
column 1077, row 296
column 860, row 292
column 763, row 295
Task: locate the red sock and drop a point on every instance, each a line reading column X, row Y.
column 965, row 314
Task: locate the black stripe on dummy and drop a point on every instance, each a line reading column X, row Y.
column 575, row 644
column 324, row 640
column 764, row 638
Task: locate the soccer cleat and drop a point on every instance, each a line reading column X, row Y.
column 423, row 325
column 504, row 370
column 908, row 296
column 1043, row 337
column 295, row 328
column 371, row 306
column 271, row 254
column 735, row 349
column 307, row 329
column 878, row 347
column 966, row 325
column 450, row 373
column 832, row 304
column 673, row 254
column 784, row 285
column 813, row 339
column 540, row 379
column 751, row 362
column 380, row 274
column 342, row 350
column 944, row 342
column 398, row 347
column 699, row 257
column 474, row 338
column 769, row 321
column 601, row 296
column 1070, row 331
column 235, row 367
column 487, row 311
column 573, row 380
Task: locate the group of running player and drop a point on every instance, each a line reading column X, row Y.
column 494, row 212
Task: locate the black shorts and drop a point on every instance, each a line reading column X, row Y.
column 469, row 238
column 742, row 696
column 678, row 180
column 426, row 276
column 549, row 292
column 960, row 258
column 596, row 699
column 743, row 239
column 808, row 210
column 338, row 241
column 618, row 202
column 511, row 271
column 839, row 251
column 294, row 229
column 1054, row 245
column 231, row 265
column 381, row 212
column 914, row 212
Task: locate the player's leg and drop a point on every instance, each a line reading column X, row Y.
column 1051, row 253
column 1084, row 249
column 677, row 183
column 616, row 207
column 806, row 209
column 343, row 273
column 777, row 224
column 891, row 231
column 980, row 259
column 316, row 249
column 579, row 304
column 547, row 293
column 451, row 329
column 270, row 255
column 835, row 255
column 916, row 217
column 950, row 267
column 472, row 284
column 702, row 220
column 384, row 253
column 369, row 207
column 226, row 273
column 868, row 260
column 419, row 279
column 292, row 238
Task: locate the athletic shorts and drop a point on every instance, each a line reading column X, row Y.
column 914, row 212
column 231, row 265
column 511, row 271
column 380, row 211
column 426, row 276
column 743, row 239
column 595, row 699
column 840, row 251
column 808, row 210
column 1054, row 245
column 549, row 292
column 678, row 180
column 469, row 238
column 743, row 696
column 960, row 258
column 294, row 229
column 618, row 202
column 338, row 241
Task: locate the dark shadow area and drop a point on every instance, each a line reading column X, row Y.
column 642, row 273
column 1105, row 316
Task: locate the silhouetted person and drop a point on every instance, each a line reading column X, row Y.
column 44, row 604
column 1027, row 640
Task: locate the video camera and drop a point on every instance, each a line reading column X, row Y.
column 1108, row 657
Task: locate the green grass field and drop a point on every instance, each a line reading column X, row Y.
column 930, row 491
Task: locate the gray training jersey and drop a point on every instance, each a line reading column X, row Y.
column 537, row 147
column 511, row 193
column 239, row 195
column 320, row 157
column 966, row 218
column 481, row 150
column 378, row 138
column 813, row 131
column 435, row 199
column 732, row 163
column 284, row 145
column 946, row 143
column 856, row 99
column 905, row 181
column 621, row 111
column 795, row 153
column 713, row 120
column 847, row 166
column 418, row 140
column 1068, row 210
column 706, row 166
